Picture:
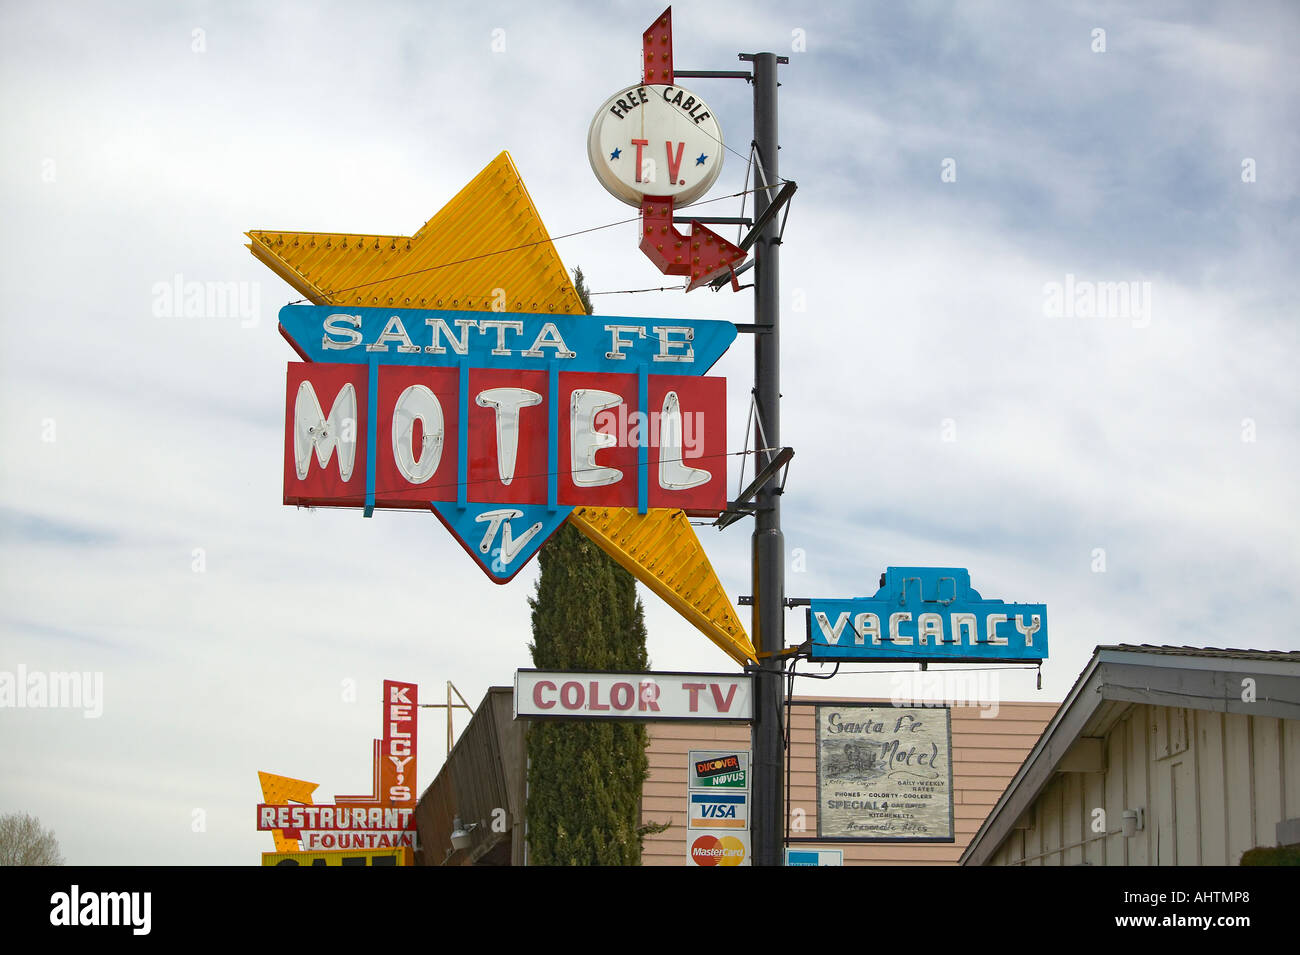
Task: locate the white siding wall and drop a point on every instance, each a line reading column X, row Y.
column 1213, row 785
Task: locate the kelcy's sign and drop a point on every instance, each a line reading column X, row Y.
column 884, row 773
column 926, row 613
column 383, row 818
column 648, row 697
column 500, row 422
column 340, row 827
column 397, row 759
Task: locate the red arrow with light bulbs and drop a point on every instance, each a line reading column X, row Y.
column 703, row 254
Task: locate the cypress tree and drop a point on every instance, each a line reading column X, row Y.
column 585, row 777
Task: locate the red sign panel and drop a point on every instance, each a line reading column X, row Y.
column 397, row 750
column 597, row 422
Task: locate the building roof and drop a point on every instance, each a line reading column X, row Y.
column 1207, row 652
column 1119, row 677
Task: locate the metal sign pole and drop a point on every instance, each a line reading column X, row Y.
column 768, row 554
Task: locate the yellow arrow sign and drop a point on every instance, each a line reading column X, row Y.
column 285, row 789
column 661, row 550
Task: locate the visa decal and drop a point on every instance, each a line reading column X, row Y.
column 719, row 811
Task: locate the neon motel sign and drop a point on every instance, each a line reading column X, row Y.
column 501, row 422
column 926, row 614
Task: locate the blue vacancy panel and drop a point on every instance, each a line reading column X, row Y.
column 930, row 614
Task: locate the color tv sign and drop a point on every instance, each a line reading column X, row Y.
column 642, row 697
column 502, row 422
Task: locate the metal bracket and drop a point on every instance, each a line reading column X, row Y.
column 715, row 220
column 747, row 600
column 741, row 506
column 781, row 198
column 715, row 74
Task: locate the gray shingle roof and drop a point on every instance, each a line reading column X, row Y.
column 1291, row 656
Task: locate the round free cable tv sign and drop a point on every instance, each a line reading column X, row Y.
column 652, row 140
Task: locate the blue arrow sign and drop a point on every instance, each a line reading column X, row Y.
column 926, row 613
column 501, row 537
column 517, row 340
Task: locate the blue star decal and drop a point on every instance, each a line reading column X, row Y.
column 614, row 154
column 700, row 161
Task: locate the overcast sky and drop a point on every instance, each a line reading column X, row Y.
column 1137, row 473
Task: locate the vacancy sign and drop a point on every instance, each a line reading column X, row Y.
column 643, row 697
column 927, row 614
column 503, row 422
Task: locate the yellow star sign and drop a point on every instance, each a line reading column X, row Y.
column 488, row 250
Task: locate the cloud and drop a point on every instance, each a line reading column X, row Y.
column 147, row 541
